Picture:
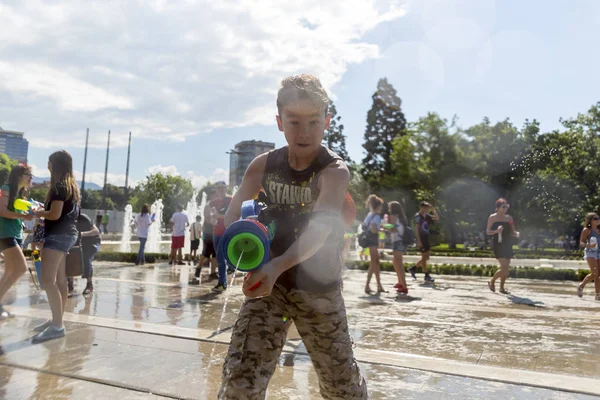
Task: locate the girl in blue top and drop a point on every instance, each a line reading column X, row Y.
column 11, row 230
column 589, row 241
column 372, row 223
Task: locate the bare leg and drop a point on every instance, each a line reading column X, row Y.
column 213, row 265
column 399, row 267
column 373, row 267
column 15, row 266
column 596, row 279
column 53, row 261
column 504, row 266
column 424, row 259
column 173, row 255
column 593, row 267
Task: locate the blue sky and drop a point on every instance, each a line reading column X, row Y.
column 190, row 79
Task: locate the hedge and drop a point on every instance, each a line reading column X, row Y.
column 531, row 254
column 552, row 274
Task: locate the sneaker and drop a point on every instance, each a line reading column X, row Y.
column 219, row 288
column 197, row 272
column 50, row 333
column 4, row 314
column 402, row 290
column 194, row 281
column 397, row 286
column 89, row 288
column 43, row 327
column 428, row 278
column 213, row 276
column 579, row 291
column 413, row 272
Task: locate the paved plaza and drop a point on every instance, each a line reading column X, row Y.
column 145, row 333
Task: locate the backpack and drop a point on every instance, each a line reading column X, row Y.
column 363, row 240
column 409, row 238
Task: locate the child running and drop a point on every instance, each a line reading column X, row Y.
column 502, row 227
column 423, row 219
column 589, row 241
column 306, row 186
column 11, row 231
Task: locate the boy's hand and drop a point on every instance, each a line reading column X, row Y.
column 260, row 283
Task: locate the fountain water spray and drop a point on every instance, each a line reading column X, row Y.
column 191, row 211
column 126, row 232
column 154, row 233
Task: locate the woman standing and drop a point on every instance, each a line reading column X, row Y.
column 62, row 209
column 372, row 225
column 589, row 240
column 501, row 226
column 398, row 219
column 143, row 225
column 11, row 231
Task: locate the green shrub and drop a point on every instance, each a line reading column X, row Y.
column 485, row 271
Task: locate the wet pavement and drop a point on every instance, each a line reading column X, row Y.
column 146, row 331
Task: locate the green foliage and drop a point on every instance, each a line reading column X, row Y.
column 6, row 165
column 552, row 274
column 334, row 137
column 173, row 190
column 385, row 122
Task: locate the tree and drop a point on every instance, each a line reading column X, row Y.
column 6, row 165
column 173, row 190
column 334, row 137
column 385, row 122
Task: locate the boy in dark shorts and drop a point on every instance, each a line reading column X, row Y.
column 305, row 185
column 423, row 219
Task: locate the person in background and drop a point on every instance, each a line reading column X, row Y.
column 105, row 221
column 208, row 249
column 502, row 227
column 11, row 231
column 373, row 224
column 195, row 235
column 590, row 236
column 398, row 219
column 143, row 222
column 218, row 208
column 98, row 220
column 179, row 222
column 423, row 219
column 90, row 246
column 62, row 209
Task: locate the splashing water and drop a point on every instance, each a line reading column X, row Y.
column 218, row 331
column 154, row 232
column 125, row 246
column 191, row 211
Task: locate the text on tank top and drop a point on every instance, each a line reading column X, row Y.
column 291, row 196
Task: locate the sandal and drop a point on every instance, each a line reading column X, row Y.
column 368, row 290
column 579, row 291
column 382, row 290
column 504, row 291
column 492, row 287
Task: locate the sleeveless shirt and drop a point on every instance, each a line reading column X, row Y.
column 291, row 196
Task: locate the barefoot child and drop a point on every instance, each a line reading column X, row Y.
column 306, row 185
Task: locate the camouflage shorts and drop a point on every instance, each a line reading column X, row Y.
column 260, row 333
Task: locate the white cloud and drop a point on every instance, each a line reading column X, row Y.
column 166, row 71
column 94, row 177
column 198, row 181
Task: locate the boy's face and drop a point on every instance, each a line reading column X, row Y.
column 304, row 126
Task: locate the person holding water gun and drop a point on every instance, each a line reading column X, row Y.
column 11, row 230
column 306, row 189
column 502, row 227
column 589, row 241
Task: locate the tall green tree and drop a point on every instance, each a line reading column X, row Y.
column 385, row 122
column 334, row 137
column 173, row 190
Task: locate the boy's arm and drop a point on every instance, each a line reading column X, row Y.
column 248, row 190
column 326, row 214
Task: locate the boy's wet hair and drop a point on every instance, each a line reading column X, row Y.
column 198, row 218
column 300, row 87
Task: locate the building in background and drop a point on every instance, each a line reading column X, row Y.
column 14, row 145
column 242, row 155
